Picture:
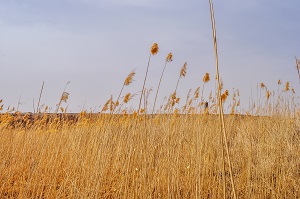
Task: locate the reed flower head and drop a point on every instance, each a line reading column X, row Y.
column 169, row 58
column 129, row 78
column 64, row 96
column 279, row 82
column 173, row 96
column 196, row 94
column 112, row 104
column 183, row 70
column 262, row 85
column 206, row 78
column 105, row 107
column 287, row 86
column 127, row 97
column 268, row 94
column 154, row 49
column 224, row 96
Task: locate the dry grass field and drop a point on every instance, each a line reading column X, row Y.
column 160, row 156
column 181, row 149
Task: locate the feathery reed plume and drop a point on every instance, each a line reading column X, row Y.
column 224, row 96
column 183, row 70
column 262, row 85
column 206, row 78
column 181, row 74
column 268, row 94
column 38, row 105
column 287, row 86
column 64, row 97
column 221, row 114
column 105, row 107
column 127, row 97
column 127, row 82
column 169, row 58
column 129, row 78
column 112, row 104
column 279, row 82
column 154, row 51
column 196, row 93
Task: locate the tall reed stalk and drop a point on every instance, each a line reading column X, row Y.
column 154, row 51
column 38, row 105
column 168, row 59
column 64, row 97
column 220, row 103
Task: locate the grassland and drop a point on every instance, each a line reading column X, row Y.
column 181, row 149
column 168, row 156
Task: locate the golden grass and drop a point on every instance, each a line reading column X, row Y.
column 186, row 151
column 100, row 157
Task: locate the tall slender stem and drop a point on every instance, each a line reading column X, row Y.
column 144, row 84
column 221, row 113
column 38, row 105
column 159, row 87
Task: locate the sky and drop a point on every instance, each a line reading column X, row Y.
column 95, row 44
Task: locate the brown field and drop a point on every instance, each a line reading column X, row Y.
column 183, row 149
column 163, row 156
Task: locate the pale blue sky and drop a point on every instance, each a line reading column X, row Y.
column 95, row 44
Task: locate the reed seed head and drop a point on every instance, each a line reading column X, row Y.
column 154, row 49
column 224, row 96
column 183, row 70
column 196, row 94
column 64, row 97
column 127, row 97
column 105, row 107
column 268, row 94
column 287, row 86
column 129, row 78
column 206, row 78
column 173, row 96
column 169, row 58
